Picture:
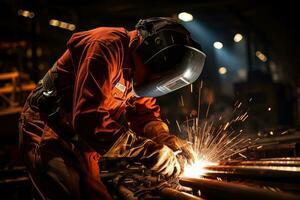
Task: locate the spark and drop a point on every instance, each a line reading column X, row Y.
column 242, row 155
column 182, row 101
column 239, row 104
column 199, row 99
column 213, row 141
column 226, row 125
column 168, row 121
column 178, row 126
column 284, row 132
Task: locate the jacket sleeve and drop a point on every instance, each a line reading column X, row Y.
column 90, row 116
column 143, row 112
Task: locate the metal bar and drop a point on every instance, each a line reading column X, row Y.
column 172, row 194
column 273, row 172
column 279, row 139
column 213, row 189
column 291, row 163
column 282, row 159
column 168, row 192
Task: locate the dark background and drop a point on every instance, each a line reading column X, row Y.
column 269, row 91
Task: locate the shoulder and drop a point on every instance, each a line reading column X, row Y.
column 103, row 35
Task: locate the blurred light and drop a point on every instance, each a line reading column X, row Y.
column 238, row 37
column 269, row 109
column 186, row 17
column 271, row 133
column 222, row 70
column 39, row 52
column 259, row 134
column 29, row 53
column 261, row 56
column 61, row 24
column 187, row 74
column 72, row 27
column 218, row 45
column 26, row 13
column 197, row 169
column 242, row 74
column 54, row 22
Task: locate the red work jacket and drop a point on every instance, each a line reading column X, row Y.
column 94, row 75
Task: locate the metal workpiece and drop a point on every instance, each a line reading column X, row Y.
column 292, row 138
column 282, row 159
column 135, row 184
column 172, row 194
column 274, row 162
column 273, row 178
column 213, row 189
column 168, row 192
column 289, row 173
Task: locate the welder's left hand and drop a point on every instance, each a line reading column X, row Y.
column 158, row 131
column 157, row 157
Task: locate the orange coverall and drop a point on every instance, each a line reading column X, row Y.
column 94, row 76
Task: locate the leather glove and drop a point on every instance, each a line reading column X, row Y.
column 157, row 157
column 159, row 132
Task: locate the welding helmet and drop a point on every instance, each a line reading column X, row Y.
column 169, row 56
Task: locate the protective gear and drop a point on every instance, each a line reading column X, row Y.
column 179, row 145
column 95, row 91
column 94, row 78
column 169, row 55
column 58, row 169
column 157, row 157
column 159, row 132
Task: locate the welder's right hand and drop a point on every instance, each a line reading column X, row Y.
column 158, row 131
column 157, row 157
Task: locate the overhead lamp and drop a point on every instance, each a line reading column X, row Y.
column 218, row 45
column 186, row 17
column 26, row 13
column 237, row 37
column 222, row 70
column 61, row 24
column 261, row 56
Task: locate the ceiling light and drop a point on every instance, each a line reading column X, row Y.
column 237, row 37
column 186, row 17
column 218, row 45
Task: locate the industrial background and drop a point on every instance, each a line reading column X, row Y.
column 252, row 65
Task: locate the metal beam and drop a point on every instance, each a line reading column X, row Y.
column 213, row 189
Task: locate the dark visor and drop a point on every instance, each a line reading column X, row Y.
column 170, row 69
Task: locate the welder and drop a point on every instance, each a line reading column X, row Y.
column 98, row 99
